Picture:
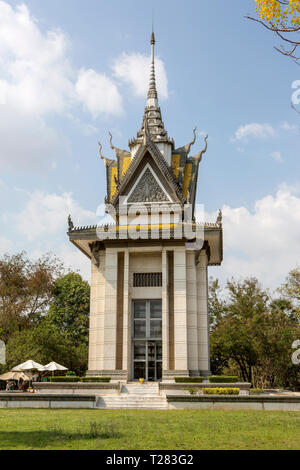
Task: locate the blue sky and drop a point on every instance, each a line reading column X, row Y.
column 72, row 70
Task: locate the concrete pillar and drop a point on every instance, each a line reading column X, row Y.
column 192, row 320
column 180, row 312
column 126, row 316
column 96, row 325
column 202, row 309
column 165, row 311
column 110, row 312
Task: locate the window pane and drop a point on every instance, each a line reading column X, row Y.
column 155, row 328
column 158, row 370
column 155, row 308
column 139, row 309
column 140, row 351
column 159, row 351
column 139, row 370
column 139, row 328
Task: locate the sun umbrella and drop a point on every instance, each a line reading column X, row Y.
column 53, row 366
column 14, row 376
column 28, row 365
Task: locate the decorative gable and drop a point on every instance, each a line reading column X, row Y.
column 147, row 189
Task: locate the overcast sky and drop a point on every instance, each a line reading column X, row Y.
column 72, row 70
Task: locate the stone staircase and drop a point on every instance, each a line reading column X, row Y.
column 134, row 396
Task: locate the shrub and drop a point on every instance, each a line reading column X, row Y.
column 192, row 390
column 95, row 379
column 71, row 378
column 70, row 372
column 256, row 391
column 223, row 379
column 221, row 391
column 188, row 379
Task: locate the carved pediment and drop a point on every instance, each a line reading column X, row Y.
column 147, row 190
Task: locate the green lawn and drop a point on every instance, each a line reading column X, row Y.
column 150, row 430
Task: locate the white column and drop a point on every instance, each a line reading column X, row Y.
column 165, row 311
column 180, row 310
column 202, row 310
column 192, row 323
column 96, row 324
column 126, row 315
column 110, row 313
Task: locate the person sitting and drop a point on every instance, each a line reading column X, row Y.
column 20, row 385
column 9, row 386
column 25, row 386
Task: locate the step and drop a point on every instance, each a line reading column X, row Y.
column 129, row 401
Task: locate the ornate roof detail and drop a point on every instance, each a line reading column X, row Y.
column 219, row 219
column 186, row 148
column 198, row 156
column 70, row 223
column 107, row 161
column 118, row 152
column 152, row 120
column 161, row 163
column 147, row 190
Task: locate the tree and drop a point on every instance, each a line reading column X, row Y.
column 236, row 334
column 280, row 331
column 25, row 290
column 291, row 286
column 283, row 18
column 69, row 309
column 254, row 333
column 45, row 343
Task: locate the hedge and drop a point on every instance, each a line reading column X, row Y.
column 188, row 379
column 70, row 378
column 223, row 379
column 75, row 378
column 95, row 379
column 221, row 391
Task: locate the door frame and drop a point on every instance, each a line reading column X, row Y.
column 145, row 340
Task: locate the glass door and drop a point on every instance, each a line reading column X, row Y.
column 146, row 340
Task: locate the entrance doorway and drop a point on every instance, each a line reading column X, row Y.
column 146, row 340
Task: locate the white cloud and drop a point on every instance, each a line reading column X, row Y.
column 46, row 214
column 288, row 127
column 36, row 80
column 75, row 260
column 255, row 130
column 98, row 93
column 263, row 243
column 35, row 73
column 26, row 141
column 134, row 69
column 6, row 245
column 277, row 156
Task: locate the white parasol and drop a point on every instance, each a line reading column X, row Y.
column 28, row 365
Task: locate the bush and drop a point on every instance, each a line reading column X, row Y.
column 192, row 390
column 95, row 379
column 188, row 379
column 223, row 379
column 221, row 391
column 256, row 391
column 71, row 378
column 70, row 372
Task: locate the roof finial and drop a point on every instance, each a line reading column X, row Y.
column 152, row 93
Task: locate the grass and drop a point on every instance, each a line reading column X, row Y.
column 150, row 430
